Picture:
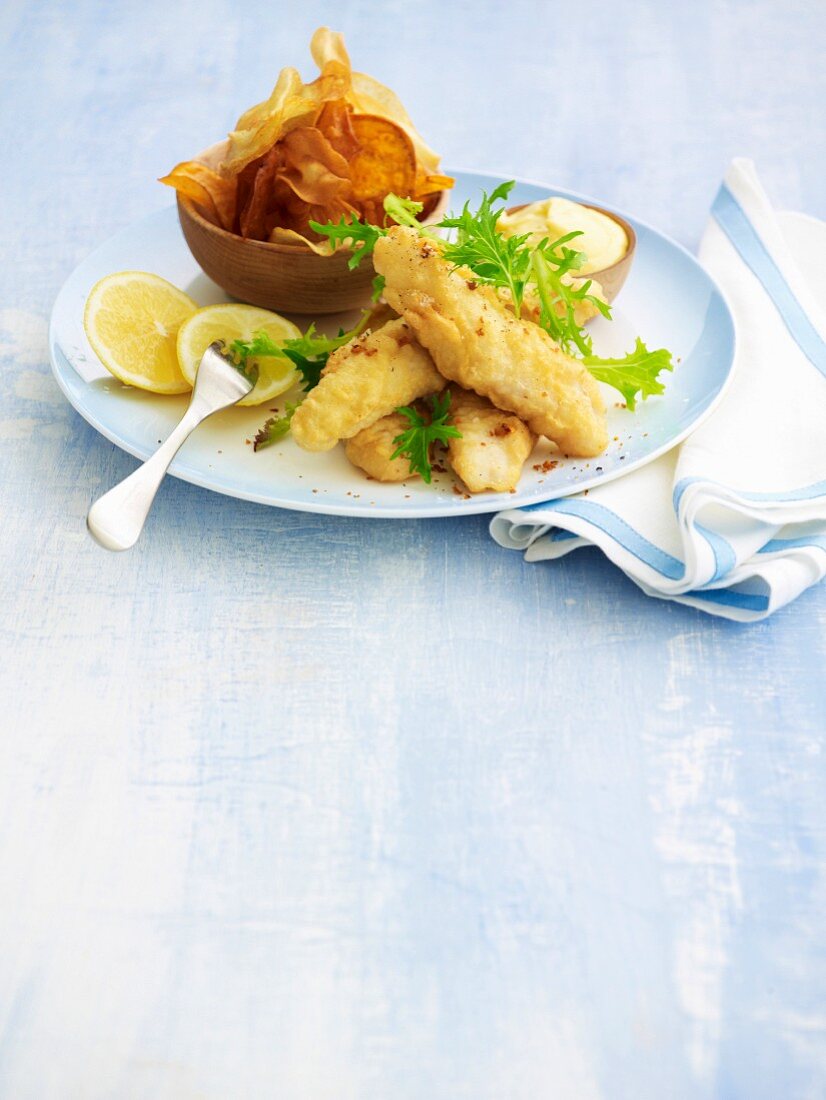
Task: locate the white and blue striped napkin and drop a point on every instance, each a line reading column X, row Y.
column 734, row 520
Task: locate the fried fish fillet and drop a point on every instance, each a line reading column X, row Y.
column 494, row 444
column 380, row 314
column 490, row 454
column 363, row 381
column 476, row 341
column 372, row 449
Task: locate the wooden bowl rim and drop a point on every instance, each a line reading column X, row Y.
column 618, row 218
column 189, row 207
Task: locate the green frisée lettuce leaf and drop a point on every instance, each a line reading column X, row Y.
column 512, row 264
column 309, row 353
column 275, row 428
column 414, row 444
column 353, row 233
column 494, row 259
column 359, row 236
column 636, row 374
column 404, row 211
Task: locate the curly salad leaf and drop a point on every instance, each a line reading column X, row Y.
column 275, row 428
column 415, row 443
column 511, row 263
column 309, row 352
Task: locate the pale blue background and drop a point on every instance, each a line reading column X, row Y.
column 303, row 807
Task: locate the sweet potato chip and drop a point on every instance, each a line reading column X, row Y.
column 253, row 217
column 386, row 160
column 368, row 97
column 432, row 185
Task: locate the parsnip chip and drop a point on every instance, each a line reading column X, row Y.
column 301, row 178
column 336, row 123
column 315, row 171
column 292, row 103
column 213, row 193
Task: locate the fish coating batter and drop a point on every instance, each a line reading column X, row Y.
column 494, row 444
column 372, row 449
column 476, row 341
column 363, row 381
column 379, row 314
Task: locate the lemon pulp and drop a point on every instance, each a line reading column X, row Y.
column 132, row 320
column 233, row 321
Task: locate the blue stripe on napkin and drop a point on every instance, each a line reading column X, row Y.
column 806, row 492
column 805, row 543
column 734, row 222
column 621, row 532
column 724, row 557
column 730, row 597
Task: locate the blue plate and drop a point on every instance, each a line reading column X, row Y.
column 669, row 300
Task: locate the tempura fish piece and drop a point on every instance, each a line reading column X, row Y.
column 379, row 315
column 363, row 381
column 494, row 444
column 490, row 454
column 373, row 447
column 477, row 342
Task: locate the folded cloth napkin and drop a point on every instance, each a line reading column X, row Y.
column 734, row 520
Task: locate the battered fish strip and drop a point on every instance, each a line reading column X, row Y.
column 490, row 455
column 494, row 444
column 477, row 342
column 372, row 449
column 363, row 381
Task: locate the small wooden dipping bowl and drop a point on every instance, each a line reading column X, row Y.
column 283, row 277
column 612, row 278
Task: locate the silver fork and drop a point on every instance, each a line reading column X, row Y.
column 116, row 519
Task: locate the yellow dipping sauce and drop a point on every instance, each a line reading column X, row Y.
column 603, row 240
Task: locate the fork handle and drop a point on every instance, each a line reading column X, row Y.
column 116, row 519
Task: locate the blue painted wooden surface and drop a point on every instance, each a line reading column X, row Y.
column 303, row 807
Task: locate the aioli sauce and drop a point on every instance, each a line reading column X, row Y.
column 603, row 240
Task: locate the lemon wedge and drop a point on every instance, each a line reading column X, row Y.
column 132, row 320
column 232, row 321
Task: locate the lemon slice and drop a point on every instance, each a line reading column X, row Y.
column 132, row 320
column 232, row 321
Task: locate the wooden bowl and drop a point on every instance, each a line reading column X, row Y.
column 284, row 277
column 611, row 278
